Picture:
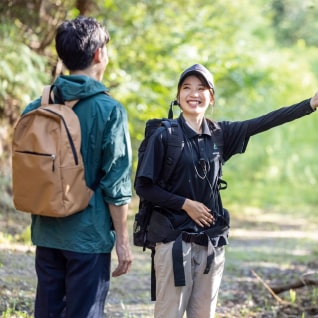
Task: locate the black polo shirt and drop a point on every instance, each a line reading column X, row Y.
column 195, row 176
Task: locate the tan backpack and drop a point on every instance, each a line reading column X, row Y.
column 47, row 166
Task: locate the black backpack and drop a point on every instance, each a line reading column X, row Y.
column 173, row 151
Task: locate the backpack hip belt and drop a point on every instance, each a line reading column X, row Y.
column 205, row 238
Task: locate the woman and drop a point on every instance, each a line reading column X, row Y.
column 189, row 217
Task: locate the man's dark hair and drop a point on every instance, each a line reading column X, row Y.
column 77, row 40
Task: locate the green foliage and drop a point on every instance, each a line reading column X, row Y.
column 240, row 41
column 292, row 295
column 25, row 236
column 12, row 313
column 236, row 41
column 22, row 72
column 295, row 20
column 167, row 37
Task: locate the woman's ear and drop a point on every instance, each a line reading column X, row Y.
column 212, row 99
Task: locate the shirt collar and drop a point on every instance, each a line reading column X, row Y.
column 190, row 132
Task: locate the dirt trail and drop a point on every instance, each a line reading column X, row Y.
column 278, row 252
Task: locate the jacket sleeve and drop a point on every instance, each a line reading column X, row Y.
column 116, row 159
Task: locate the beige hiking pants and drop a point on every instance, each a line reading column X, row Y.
column 199, row 297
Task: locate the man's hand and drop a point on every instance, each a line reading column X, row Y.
column 124, row 257
column 123, row 251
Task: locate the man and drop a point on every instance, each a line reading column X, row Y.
column 73, row 254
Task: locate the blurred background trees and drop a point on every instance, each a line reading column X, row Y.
column 262, row 54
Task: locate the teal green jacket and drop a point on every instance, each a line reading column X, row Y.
column 106, row 152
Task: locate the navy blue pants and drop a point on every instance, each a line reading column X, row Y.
column 71, row 284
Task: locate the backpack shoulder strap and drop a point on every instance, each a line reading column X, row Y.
column 217, row 132
column 48, row 97
column 175, row 145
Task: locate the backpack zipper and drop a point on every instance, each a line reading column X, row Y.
column 69, row 136
column 52, row 156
